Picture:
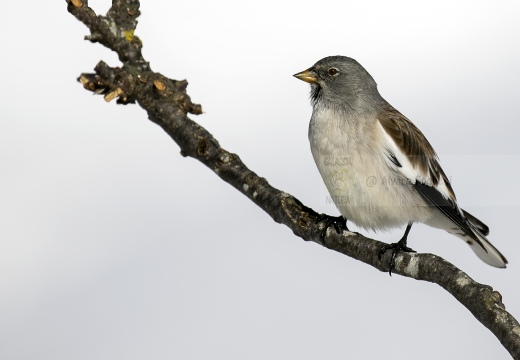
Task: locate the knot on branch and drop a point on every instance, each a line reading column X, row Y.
column 175, row 91
column 76, row 3
column 114, row 83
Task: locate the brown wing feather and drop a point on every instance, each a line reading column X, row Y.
column 421, row 155
column 414, row 145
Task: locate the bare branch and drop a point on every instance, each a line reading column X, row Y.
column 167, row 104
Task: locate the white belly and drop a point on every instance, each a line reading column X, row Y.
column 365, row 190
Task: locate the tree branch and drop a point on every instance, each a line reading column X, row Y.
column 167, row 104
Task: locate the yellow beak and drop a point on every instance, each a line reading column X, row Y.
column 307, row 75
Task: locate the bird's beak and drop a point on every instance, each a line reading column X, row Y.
column 308, row 75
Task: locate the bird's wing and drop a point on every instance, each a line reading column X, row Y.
column 415, row 155
column 410, row 154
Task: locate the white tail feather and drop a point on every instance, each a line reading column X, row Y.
column 482, row 248
column 487, row 252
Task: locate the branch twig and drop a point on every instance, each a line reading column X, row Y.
column 167, row 104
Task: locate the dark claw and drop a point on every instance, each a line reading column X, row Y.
column 339, row 223
column 396, row 247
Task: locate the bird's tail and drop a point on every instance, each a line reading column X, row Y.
column 479, row 243
column 481, row 227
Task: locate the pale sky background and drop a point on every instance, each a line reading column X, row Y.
column 113, row 246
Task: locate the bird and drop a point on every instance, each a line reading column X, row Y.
column 379, row 168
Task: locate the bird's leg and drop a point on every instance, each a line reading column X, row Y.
column 339, row 223
column 400, row 245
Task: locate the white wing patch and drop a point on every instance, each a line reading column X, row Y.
column 411, row 172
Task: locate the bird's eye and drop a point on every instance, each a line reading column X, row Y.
column 333, row 71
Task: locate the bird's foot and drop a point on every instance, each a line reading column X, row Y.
column 338, row 222
column 395, row 247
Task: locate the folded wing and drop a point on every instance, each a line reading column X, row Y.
column 409, row 153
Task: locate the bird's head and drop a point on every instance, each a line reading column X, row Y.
column 339, row 81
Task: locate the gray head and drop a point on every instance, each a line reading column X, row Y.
column 340, row 82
